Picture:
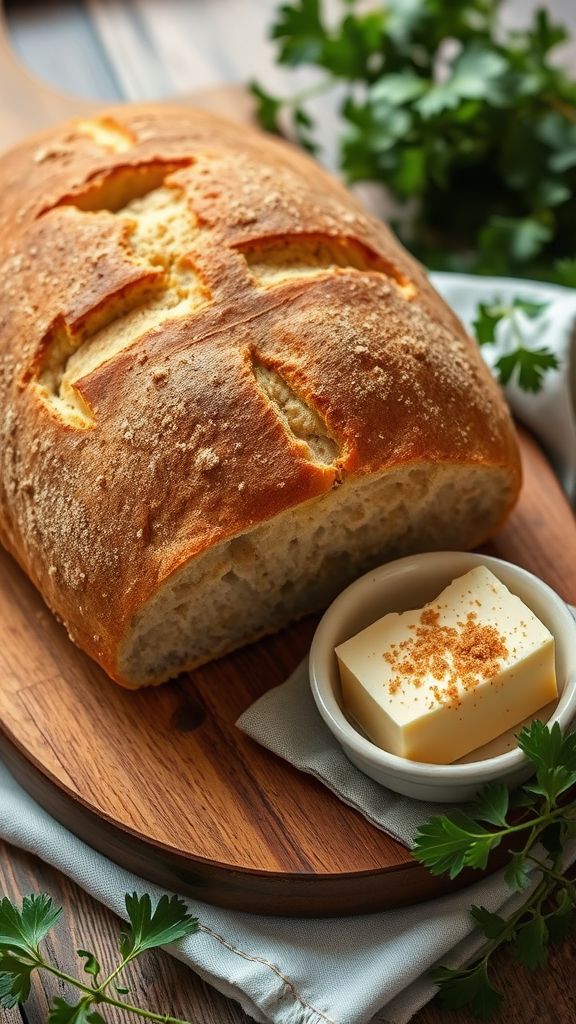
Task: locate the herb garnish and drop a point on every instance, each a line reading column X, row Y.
column 546, row 816
column 21, row 932
column 527, row 364
column 444, row 104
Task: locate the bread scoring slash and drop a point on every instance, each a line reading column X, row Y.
column 225, row 391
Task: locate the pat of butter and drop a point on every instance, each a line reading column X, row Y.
column 435, row 683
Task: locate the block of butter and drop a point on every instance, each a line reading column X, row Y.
column 433, row 684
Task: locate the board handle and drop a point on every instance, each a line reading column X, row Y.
column 540, row 534
column 27, row 104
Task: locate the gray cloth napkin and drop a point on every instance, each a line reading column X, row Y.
column 345, row 971
column 287, row 722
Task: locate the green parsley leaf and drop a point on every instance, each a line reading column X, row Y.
column 529, row 365
column 447, row 844
column 169, row 922
column 267, row 108
column 553, row 755
column 520, row 798
column 492, row 804
column 24, row 929
column 545, row 35
column 476, row 74
column 517, row 872
column 62, row 1012
column 303, row 124
column 530, row 308
column 488, row 316
column 301, row 33
column 354, row 50
column 20, row 933
column 15, row 975
column 468, row 988
column 492, row 925
column 531, row 940
column 91, row 966
column 396, row 89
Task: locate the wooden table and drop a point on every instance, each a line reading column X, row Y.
column 160, row 983
column 109, row 64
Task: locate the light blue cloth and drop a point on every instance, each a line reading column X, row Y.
column 338, row 971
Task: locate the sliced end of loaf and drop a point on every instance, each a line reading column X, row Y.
column 258, row 582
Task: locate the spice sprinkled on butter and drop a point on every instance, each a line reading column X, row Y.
column 435, row 683
column 458, row 657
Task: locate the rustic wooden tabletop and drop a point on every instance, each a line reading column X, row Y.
column 160, row 983
column 111, row 50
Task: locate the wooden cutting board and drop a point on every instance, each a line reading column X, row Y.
column 162, row 781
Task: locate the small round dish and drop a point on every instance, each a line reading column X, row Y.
column 410, row 583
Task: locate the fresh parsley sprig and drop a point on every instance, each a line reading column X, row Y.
column 543, row 815
column 524, row 363
column 22, row 931
column 445, row 105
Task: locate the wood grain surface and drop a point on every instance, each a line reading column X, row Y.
column 161, row 984
column 174, row 791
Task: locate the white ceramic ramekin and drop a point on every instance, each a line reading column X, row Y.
column 410, row 583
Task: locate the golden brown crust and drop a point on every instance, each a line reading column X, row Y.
column 176, row 447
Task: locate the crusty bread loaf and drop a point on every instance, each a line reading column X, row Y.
column 225, row 391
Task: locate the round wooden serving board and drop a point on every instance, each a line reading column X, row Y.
column 161, row 780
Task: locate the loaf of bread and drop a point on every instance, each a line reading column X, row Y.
column 225, row 390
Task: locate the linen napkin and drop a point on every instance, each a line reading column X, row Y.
column 286, row 721
column 351, row 970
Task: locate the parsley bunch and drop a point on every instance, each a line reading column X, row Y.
column 21, row 932
column 542, row 816
column 445, row 106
